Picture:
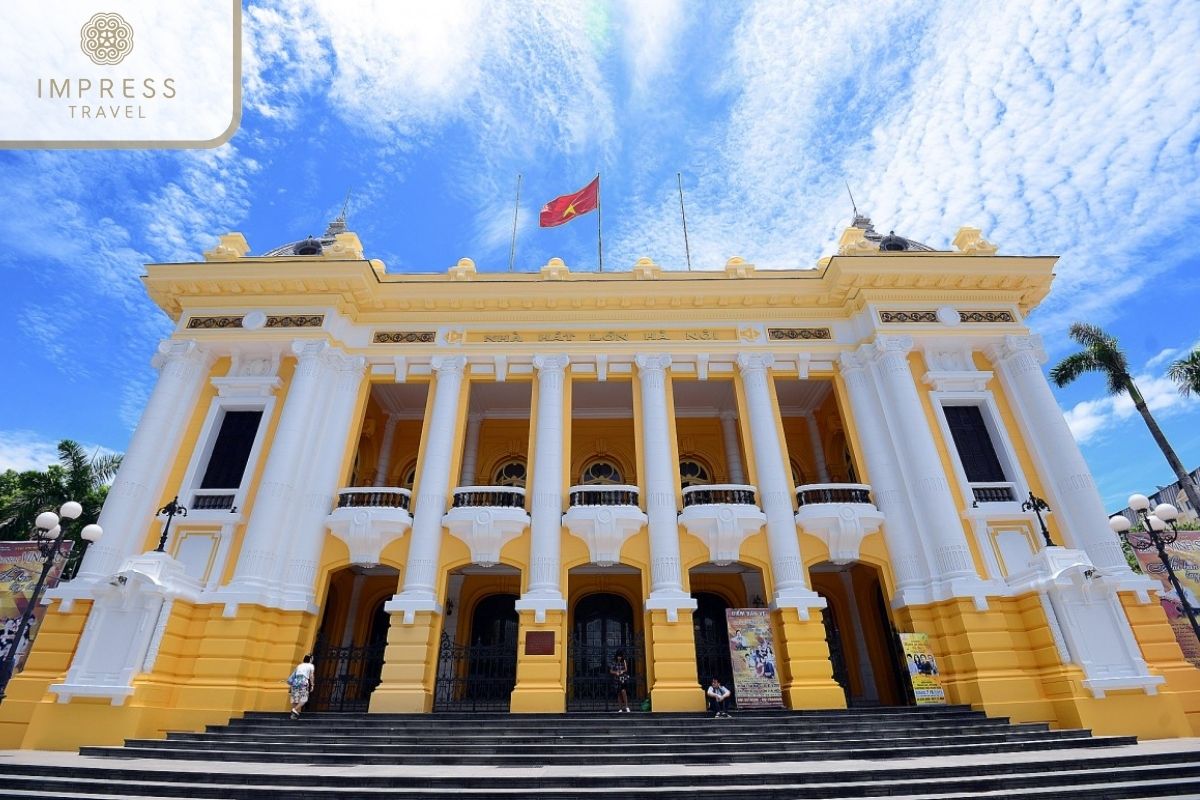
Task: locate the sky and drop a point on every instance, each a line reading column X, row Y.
column 1058, row 127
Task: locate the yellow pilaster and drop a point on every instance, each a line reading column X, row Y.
column 1161, row 650
column 541, row 679
column 675, row 686
column 409, row 666
column 806, row 673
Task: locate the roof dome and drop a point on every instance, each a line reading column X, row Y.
column 311, row 245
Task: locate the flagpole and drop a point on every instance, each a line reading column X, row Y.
column 512, row 250
column 599, row 238
column 686, row 247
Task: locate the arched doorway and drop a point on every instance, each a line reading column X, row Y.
column 480, row 675
column 837, row 652
column 603, row 626
column 712, row 640
column 348, row 651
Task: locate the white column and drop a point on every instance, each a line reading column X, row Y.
column 887, row 484
column 733, row 452
column 545, row 593
column 662, row 473
column 314, row 499
column 385, row 450
column 420, row 574
column 352, row 612
column 814, row 438
column 264, row 542
column 183, row 365
column 1065, row 475
column 470, row 450
column 951, row 565
column 774, row 488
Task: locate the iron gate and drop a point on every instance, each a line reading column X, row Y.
column 345, row 676
column 590, row 685
column 837, row 656
column 475, row 677
column 713, row 661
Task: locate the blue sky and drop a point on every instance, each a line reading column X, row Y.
column 1059, row 127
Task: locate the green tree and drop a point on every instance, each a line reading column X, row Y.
column 77, row 476
column 1186, row 373
column 1102, row 354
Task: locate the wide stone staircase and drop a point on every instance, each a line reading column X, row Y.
column 933, row 752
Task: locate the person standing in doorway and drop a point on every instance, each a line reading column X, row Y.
column 718, row 699
column 621, row 681
column 300, row 685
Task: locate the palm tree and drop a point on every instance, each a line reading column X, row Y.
column 76, row 476
column 1186, row 373
column 1102, row 354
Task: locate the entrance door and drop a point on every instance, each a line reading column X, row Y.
column 346, row 676
column 712, row 641
column 603, row 627
column 480, row 675
column 837, row 654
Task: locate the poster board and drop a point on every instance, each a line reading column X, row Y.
column 1184, row 553
column 20, row 567
column 752, row 653
column 923, row 671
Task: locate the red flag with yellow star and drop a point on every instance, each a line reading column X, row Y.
column 569, row 206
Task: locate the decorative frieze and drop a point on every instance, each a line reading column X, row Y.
column 798, row 334
column 206, row 323
column 272, row 321
column 924, row 316
column 404, row 337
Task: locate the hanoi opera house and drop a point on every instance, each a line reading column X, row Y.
column 467, row 491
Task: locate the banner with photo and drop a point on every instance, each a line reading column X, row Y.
column 923, row 670
column 1185, row 560
column 752, row 652
column 20, row 566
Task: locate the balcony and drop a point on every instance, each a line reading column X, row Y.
column 213, row 500
column 994, row 493
column 839, row 514
column 369, row 518
column 604, row 516
column 486, row 518
column 723, row 515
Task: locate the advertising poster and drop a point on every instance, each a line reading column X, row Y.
column 923, row 670
column 1185, row 560
column 20, row 566
column 752, row 651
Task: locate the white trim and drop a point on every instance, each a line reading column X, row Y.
column 207, row 439
column 1001, row 443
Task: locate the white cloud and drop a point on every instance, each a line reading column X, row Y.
column 25, row 450
column 651, row 31
column 1091, row 419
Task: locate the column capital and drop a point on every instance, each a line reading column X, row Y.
column 728, row 415
column 176, row 349
column 889, row 345
column 448, row 365
column 652, row 362
column 755, row 362
column 308, row 348
column 851, row 362
column 551, row 362
column 1011, row 347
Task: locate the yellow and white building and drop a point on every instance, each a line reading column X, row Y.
column 468, row 489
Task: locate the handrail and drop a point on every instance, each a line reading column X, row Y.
column 814, row 493
column 719, row 493
column 603, row 494
column 374, row 497
column 489, row 497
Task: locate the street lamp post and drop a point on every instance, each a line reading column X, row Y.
column 170, row 510
column 1037, row 505
column 1156, row 524
column 50, row 531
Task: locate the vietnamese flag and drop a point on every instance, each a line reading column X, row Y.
column 569, row 206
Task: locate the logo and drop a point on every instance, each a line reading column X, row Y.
column 106, row 39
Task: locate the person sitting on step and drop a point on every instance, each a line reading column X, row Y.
column 718, row 699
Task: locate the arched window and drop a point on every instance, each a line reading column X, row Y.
column 798, row 476
column 408, row 476
column 694, row 472
column 600, row 472
column 510, row 472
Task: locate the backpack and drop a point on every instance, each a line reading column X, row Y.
column 297, row 681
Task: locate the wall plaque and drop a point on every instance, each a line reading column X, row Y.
column 539, row 643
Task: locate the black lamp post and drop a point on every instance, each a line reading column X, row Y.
column 170, row 509
column 1037, row 505
column 1156, row 525
column 49, row 534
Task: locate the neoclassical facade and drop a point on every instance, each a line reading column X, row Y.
column 468, row 490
